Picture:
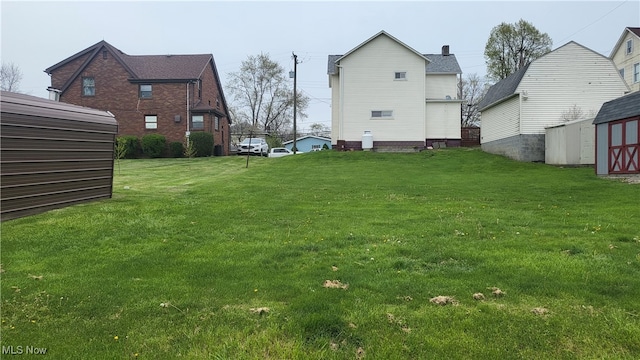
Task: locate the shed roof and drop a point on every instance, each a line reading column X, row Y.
column 13, row 103
column 621, row 108
column 322, row 138
column 503, row 89
column 436, row 63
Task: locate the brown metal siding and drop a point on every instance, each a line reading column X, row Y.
column 52, row 155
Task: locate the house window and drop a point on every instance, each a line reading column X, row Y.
column 629, row 46
column 381, row 114
column 88, row 86
column 636, row 72
column 316, row 147
column 104, row 54
column 217, row 123
column 400, row 75
column 151, row 121
column 197, row 122
column 146, row 91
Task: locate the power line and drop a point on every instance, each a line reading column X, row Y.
column 593, row 22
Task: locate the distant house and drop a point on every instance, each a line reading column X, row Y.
column 626, row 56
column 308, row 143
column 404, row 99
column 171, row 95
column 516, row 110
column 618, row 136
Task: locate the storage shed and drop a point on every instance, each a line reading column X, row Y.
column 617, row 136
column 570, row 143
column 52, row 155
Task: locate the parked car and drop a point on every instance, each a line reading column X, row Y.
column 253, row 146
column 280, row 152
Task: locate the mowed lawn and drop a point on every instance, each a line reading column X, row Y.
column 331, row 255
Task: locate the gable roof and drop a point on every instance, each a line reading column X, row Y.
column 621, row 108
column 322, row 138
column 436, row 63
column 632, row 30
column 505, row 88
column 142, row 67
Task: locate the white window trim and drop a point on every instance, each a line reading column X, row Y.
column 636, row 73
column 403, row 75
column 151, row 125
column 628, row 47
column 384, row 115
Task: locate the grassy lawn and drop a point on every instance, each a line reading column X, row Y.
column 204, row 258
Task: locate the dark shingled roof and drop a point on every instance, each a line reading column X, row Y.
column 620, row 108
column 503, row 89
column 440, row 64
column 635, row 30
column 144, row 67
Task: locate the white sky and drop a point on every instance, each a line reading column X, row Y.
column 36, row 35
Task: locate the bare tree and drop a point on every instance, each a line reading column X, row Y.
column 10, row 77
column 576, row 113
column 262, row 96
column 512, row 46
column 472, row 89
column 318, row 129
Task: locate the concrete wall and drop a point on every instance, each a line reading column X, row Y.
column 528, row 148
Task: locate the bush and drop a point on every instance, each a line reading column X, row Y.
column 153, row 145
column 131, row 146
column 176, row 149
column 202, row 143
column 325, row 147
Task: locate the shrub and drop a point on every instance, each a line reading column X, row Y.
column 176, row 149
column 153, row 145
column 202, row 143
column 131, row 145
column 325, row 147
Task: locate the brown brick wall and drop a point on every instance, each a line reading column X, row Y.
column 116, row 94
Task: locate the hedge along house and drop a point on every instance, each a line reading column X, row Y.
column 618, row 136
column 52, row 155
column 170, row 95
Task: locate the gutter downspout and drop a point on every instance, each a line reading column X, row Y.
column 187, row 118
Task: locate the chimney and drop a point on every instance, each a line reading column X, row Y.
column 445, row 50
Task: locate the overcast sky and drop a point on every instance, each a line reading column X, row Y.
column 36, row 35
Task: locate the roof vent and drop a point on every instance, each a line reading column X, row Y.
column 445, row 50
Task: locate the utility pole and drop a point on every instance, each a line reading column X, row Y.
column 295, row 100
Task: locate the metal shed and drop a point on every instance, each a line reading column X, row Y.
column 52, row 155
column 618, row 136
column 570, row 143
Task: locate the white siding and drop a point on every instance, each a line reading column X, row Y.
column 570, row 75
column 367, row 82
column 438, row 86
column 501, row 121
column 443, row 120
column 335, row 108
column 625, row 61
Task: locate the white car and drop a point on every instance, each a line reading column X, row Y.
column 253, row 146
column 280, row 152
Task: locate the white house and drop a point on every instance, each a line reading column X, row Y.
column 516, row 110
column 405, row 100
column 626, row 56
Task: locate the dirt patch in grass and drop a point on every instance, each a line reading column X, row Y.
column 335, row 284
column 443, row 300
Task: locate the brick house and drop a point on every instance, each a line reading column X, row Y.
column 171, row 95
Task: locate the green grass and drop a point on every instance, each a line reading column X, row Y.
column 211, row 239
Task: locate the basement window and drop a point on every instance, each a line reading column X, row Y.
column 381, row 114
column 146, row 91
column 151, row 122
column 88, row 86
